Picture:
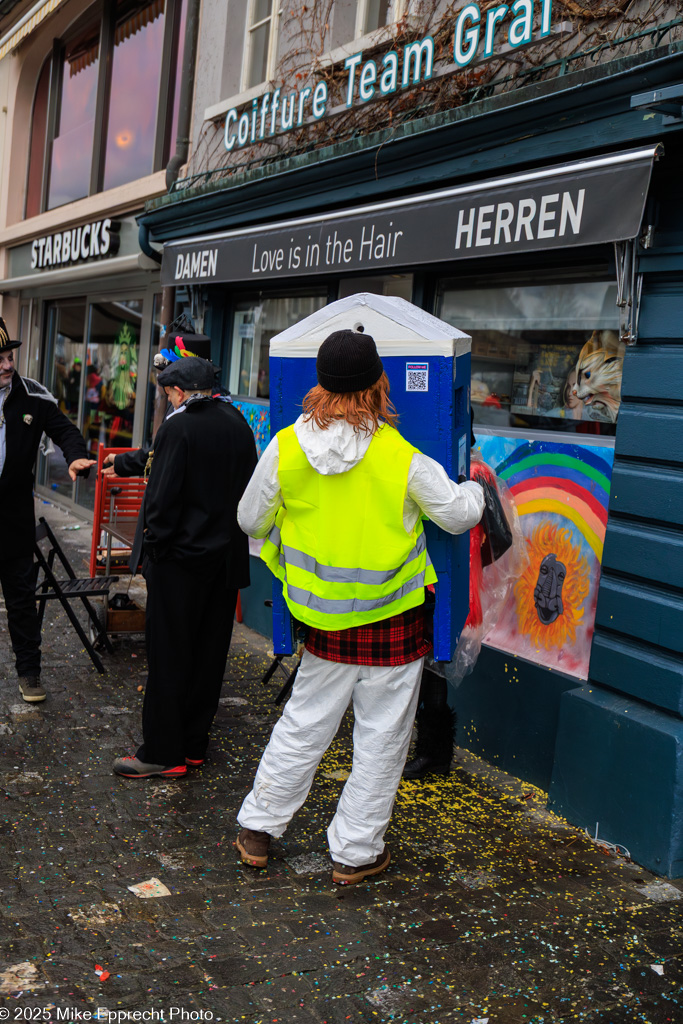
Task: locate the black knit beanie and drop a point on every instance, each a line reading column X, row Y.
column 348, row 361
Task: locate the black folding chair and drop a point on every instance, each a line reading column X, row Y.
column 276, row 663
column 49, row 588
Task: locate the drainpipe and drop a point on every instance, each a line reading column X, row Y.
column 186, row 94
column 144, row 243
column 182, row 148
column 187, row 77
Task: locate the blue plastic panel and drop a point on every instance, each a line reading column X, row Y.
column 437, row 421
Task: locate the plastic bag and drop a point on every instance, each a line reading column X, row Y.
column 497, row 532
column 497, row 558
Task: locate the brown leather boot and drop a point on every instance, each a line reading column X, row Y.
column 253, row 847
column 347, row 874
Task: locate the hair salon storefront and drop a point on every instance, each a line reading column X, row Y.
column 88, row 318
column 555, row 244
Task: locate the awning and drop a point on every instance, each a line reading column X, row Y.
column 78, row 273
column 601, row 199
column 27, row 24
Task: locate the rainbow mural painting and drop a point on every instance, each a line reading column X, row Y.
column 257, row 416
column 562, row 493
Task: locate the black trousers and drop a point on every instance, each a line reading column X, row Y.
column 188, row 629
column 18, row 581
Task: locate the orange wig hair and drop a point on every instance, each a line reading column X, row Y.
column 364, row 410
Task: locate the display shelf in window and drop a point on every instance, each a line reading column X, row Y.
column 544, row 357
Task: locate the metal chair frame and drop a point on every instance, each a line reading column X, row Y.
column 49, row 588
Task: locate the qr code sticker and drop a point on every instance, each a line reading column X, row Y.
column 417, row 376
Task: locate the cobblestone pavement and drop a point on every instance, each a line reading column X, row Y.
column 493, row 910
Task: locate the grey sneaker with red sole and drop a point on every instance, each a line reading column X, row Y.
column 134, row 768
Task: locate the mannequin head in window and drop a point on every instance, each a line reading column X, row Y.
column 570, row 399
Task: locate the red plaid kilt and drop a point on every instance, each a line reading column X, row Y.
column 396, row 641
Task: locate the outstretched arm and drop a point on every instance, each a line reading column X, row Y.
column 130, row 463
column 61, row 430
column 453, row 507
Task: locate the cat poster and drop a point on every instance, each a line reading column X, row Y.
column 566, row 381
column 561, row 492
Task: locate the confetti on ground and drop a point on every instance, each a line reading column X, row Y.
column 19, row 977
column 309, row 864
column 493, row 910
column 660, row 892
column 151, row 889
column 96, row 915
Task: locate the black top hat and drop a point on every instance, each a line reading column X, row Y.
column 5, row 341
column 197, row 344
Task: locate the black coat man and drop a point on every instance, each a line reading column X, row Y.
column 27, row 411
column 195, row 560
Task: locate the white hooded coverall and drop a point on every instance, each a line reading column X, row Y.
column 384, row 697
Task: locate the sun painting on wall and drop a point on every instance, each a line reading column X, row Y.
column 550, row 594
column 561, row 492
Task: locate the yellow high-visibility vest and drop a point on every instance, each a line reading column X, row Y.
column 339, row 545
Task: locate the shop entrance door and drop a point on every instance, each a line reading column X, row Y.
column 112, row 355
column 63, row 375
column 91, row 362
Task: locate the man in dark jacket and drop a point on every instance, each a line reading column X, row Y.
column 195, row 560
column 134, row 462
column 27, row 410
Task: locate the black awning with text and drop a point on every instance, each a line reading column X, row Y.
column 587, row 202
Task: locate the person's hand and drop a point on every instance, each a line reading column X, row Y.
column 79, row 465
column 109, row 461
column 109, row 471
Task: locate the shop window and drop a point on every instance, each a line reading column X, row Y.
column 116, row 112
column 111, row 367
column 400, row 285
column 64, row 377
column 91, row 367
column 255, row 322
column 261, row 42
column 545, row 356
column 373, row 14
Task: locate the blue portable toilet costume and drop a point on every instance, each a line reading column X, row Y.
column 427, row 362
column 335, row 348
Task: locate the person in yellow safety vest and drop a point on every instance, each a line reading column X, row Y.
column 339, row 498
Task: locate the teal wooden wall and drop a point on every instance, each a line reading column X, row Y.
column 619, row 752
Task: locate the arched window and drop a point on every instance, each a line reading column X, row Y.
column 36, row 158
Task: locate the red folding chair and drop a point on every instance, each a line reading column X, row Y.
column 117, row 499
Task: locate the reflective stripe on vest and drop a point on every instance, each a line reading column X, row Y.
column 325, row 582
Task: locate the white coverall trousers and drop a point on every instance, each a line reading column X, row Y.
column 384, row 704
